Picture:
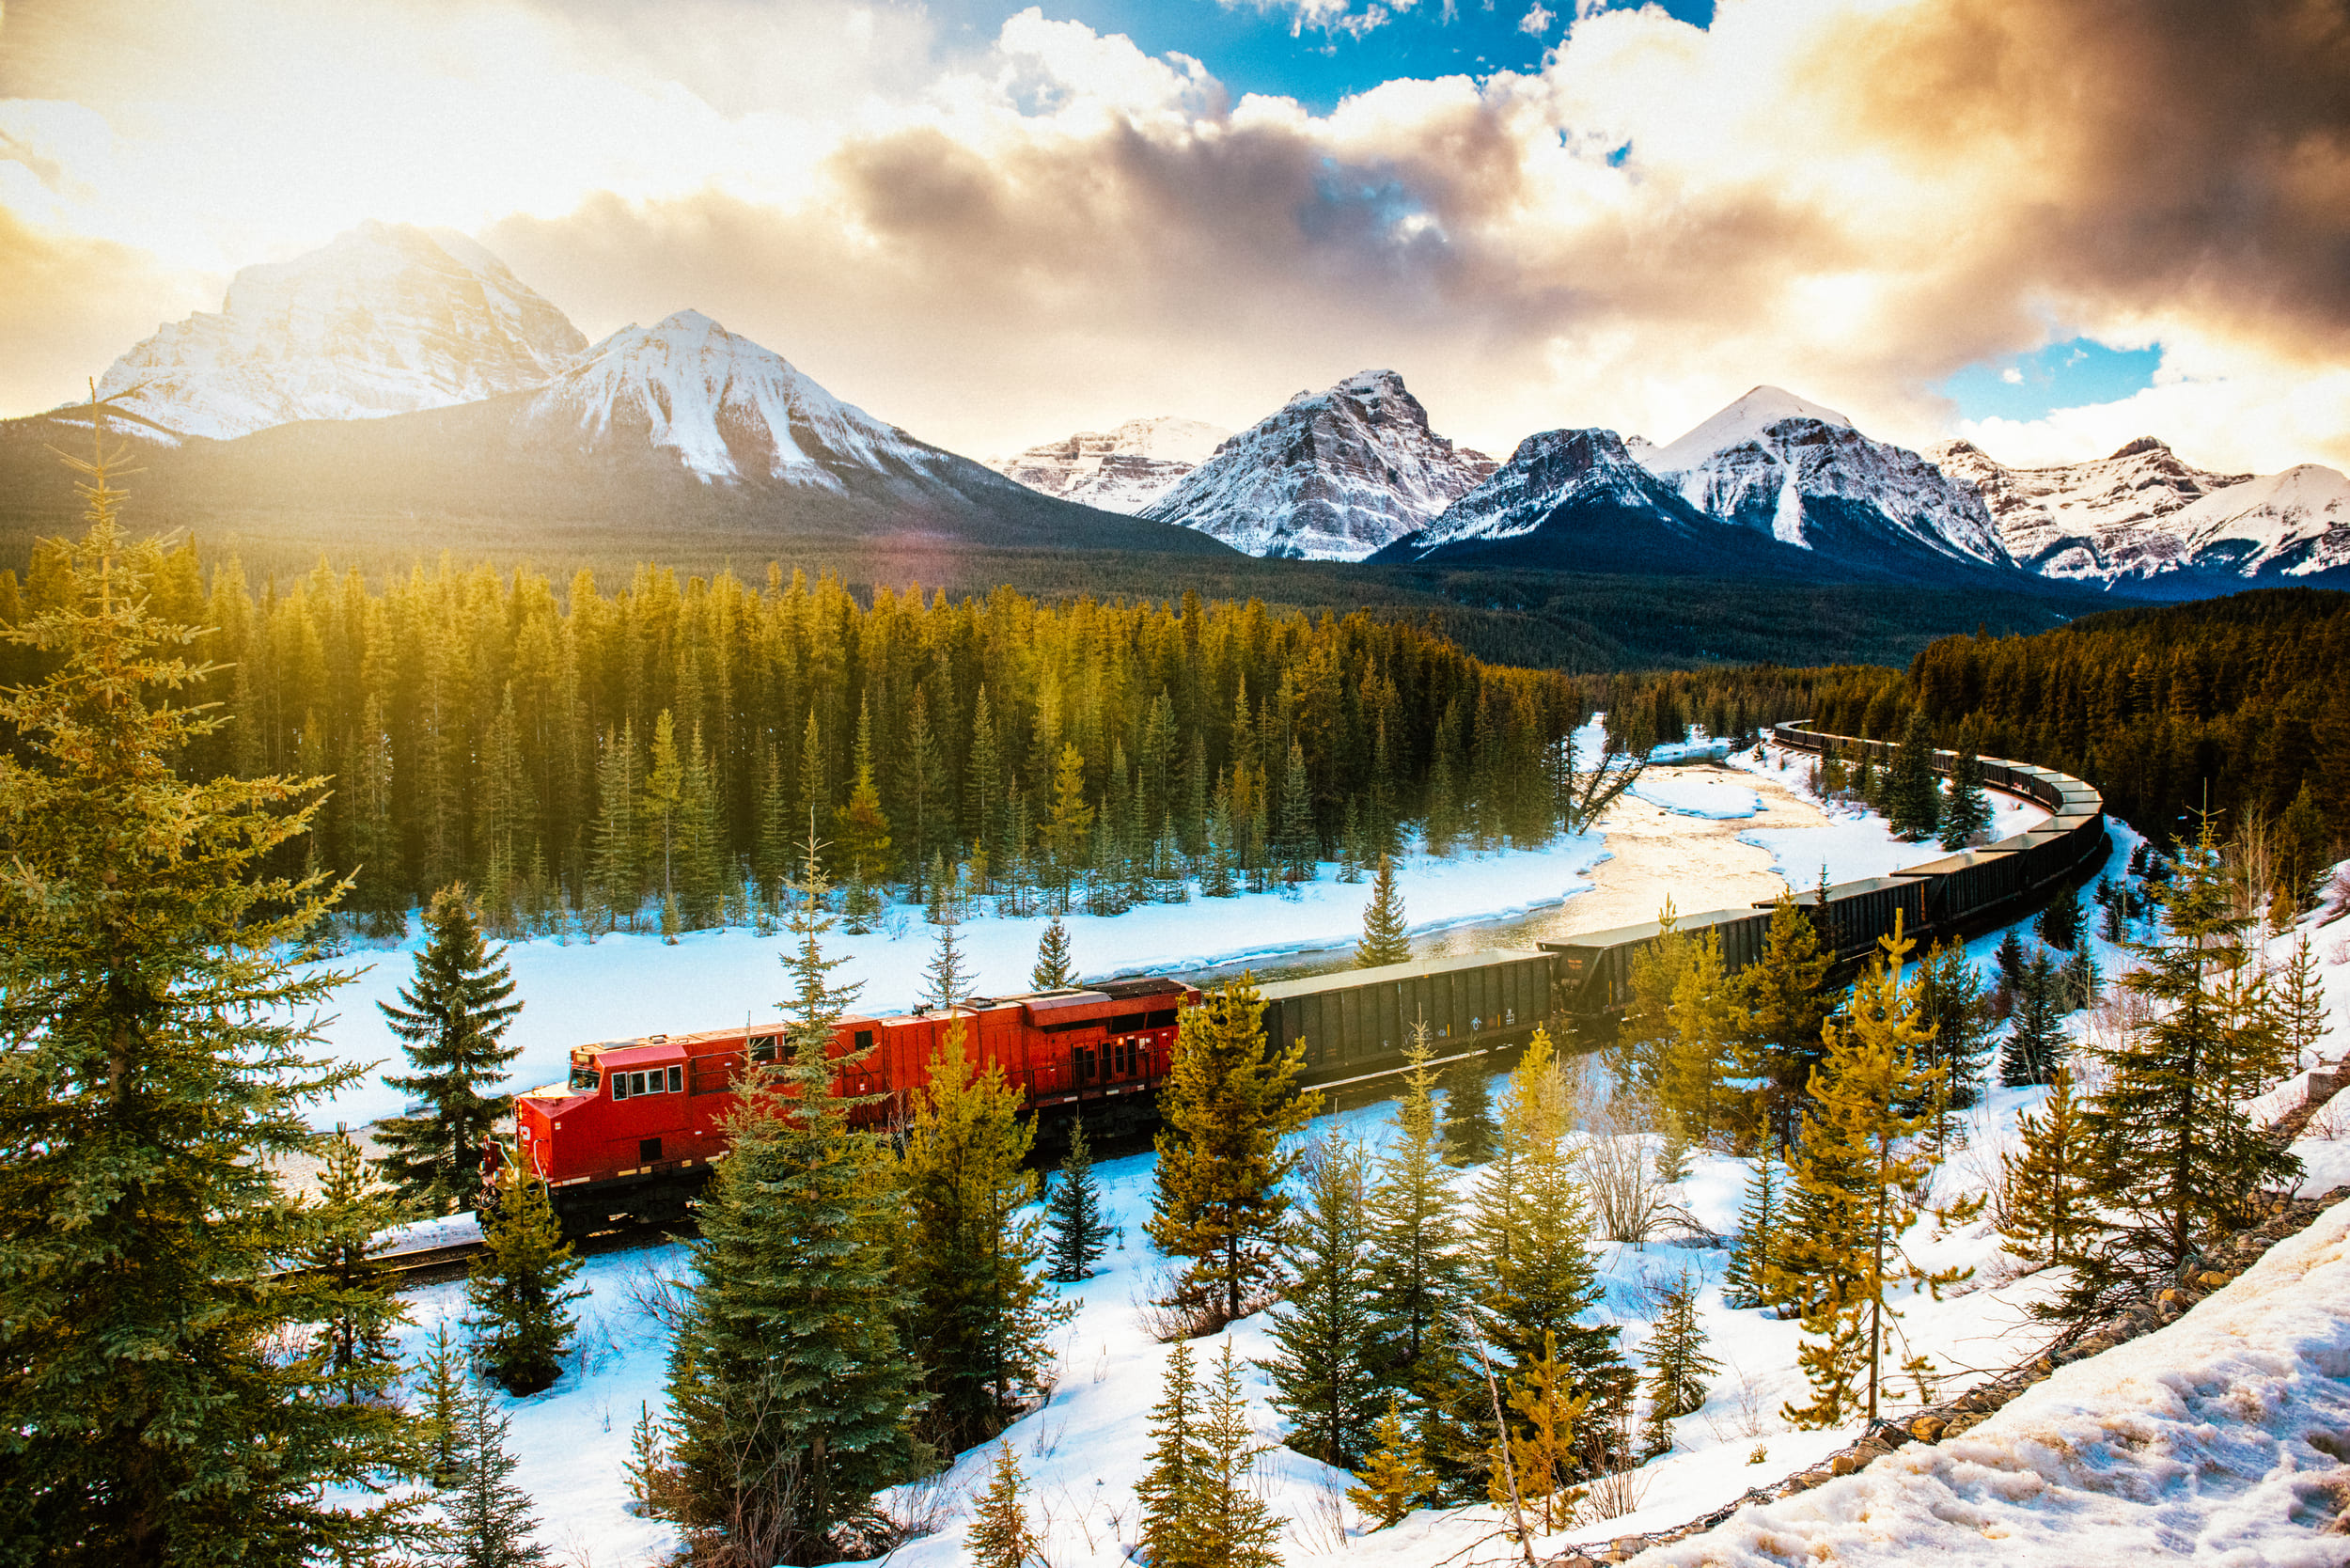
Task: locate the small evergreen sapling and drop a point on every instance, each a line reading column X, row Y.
column 486, row 1519
column 1073, row 1210
column 2079, row 983
column 2059, row 924
column 2036, row 1041
column 450, row 1019
column 438, row 1432
column 1396, row 1478
column 1001, row 1536
column 1054, row 967
column 1238, row 1529
column 1386, row 932
column 1322, row 1371
column 1678, row 1366
column 1542, row 1449
column 519, row 1286
column 1745, row 1282
column 2013, row 961
column 1174, row 1476
column 1469, row 1133
column 2044, row 1203
column 2300, row 1003
column 349, row 1292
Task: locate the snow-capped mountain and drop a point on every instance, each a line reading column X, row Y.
column 1562, row 496
column 1802, row 474
column 1120, row 470
column 727, row 409
column 386, row 318
column 1333, row 475
column 2075, row 520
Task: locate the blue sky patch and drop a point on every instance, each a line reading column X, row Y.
column 1249, row 47
column 2062, row 375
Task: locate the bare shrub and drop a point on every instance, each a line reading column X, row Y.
column 660, row 1297
column 1750, row 1412
column 1170, row 1308
column 1617, row 1484
column 1617, row 1160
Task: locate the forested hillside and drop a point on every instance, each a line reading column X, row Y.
column 2241, row 703
column 662, row 746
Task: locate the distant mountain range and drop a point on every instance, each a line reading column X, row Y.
column 406, row 370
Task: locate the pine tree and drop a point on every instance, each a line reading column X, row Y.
column 1073, row 1210
column 157, row 1073
column 1323, row 1372
column 518, row 1286
column 1055, row 967
column 1300, row 852
column 976, row 1299
column 1236, row 1528
column 486, row 1519
column 2301, row 1000
column 1951, row 995
column 2059, row 924
column 1000, row 1537
column 1913, row 805
column 1216, row 857
column 1678, row 1366
column 946, row 983
column 1387, row 935
column 2173, row 1156
column 1703, row 1025
column 1175, row 1476
column 1469, row 1133
column 2043, row 1207
column 1854, row 1171
column 860, row 830
column 791, row 1389
column 660, row 808
column 438, row 1422
column 450, row 1020
column 701, row 859
column 349, row 1289
column 1542, row 1449
column 1067, row 830
column 1966, row 809
column 2014, row 963
column 2079, row 982
column 1746, row 1281
column 1786, row 1003
column 2036, row 1041
column 1417, row 1269
column 616, row 863
column 1230, row 1101
column 1395, row 1477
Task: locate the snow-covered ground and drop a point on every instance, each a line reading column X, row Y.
column 2190, row 1443
column 1855, row 842
column 1696, row 797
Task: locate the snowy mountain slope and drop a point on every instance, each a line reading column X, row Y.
column 1120, row 470
column 727, row 408
column 1333, row 475
column 2144, row 521
column 1801, row 473
column 386, row 318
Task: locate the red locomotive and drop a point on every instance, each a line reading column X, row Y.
column 632, row 1135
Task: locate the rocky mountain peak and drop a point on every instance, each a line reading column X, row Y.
column 1121, row 470
column 384, row 319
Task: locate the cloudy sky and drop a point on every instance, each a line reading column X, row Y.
column 2048, row 225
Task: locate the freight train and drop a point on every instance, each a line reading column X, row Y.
column 634, row 1131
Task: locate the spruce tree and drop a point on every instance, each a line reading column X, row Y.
column 1951, row 995
column 1786, row 1000
column 1913, row 804
column 976, row 1299
column 1073, row 1210
column 1469, row 1133
column 2014, row 963
column 946, row 983
column 351, row 1287
column 1746, row 1280
column 615, row 861
column 486, row 1519
column 1001, row 1536
column 1067, row 829
column 518, row 1286
column 1854, row 1172
column 1678, row 1366
column 1396, row 1477
column 1055, row 967
column 2043, row 1207
column 659, row 808
column 2036, row 1041
column 437, row 1427
column 1417, row 1271
column 2079, row 982
column 792, row 1391
column 2300, row 1002
column 1387, row 935
column 1966, row 809
column 1300, row 850
column 1230, row 1101
column 1704, row 1023
column 861, row 844
column 1323, row 1372
column 1174, row 1483
column 2059, row 924
column 2174, row 1158
column 1543, row 1448
column 1236, row 1528
column 450, row 1020
column 158, row 1068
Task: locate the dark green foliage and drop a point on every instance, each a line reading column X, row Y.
column 353, row 1291
column 1913, row 802
column 2059, row 924
column 1418, row 1270
column 1054, row 967
column 1175, row 1476
column 520, row 1287
column 449, row 1019
column 1678, row 1366
column 2014, row 963
column 1323, row 1373
column 1386, row 932
column 438, row 1431
column 1951, row 999
column 485, row 1518
column 156, row 1079
column 2078, row 982
column 1966, row 809
column 2036, row 1044
column 1745, row 1281
column 1073, row 1210
column 1469, row 1133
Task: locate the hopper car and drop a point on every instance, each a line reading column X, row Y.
column 632, row 1132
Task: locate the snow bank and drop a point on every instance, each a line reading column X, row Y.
column 1697, row 797
column 2216, row 1439
column 1855, row 842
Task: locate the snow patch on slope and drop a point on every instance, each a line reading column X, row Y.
column 1121, row 470
column 386, row 318
column 2078, row 520
column 1734, row 425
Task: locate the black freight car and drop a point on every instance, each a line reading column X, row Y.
column 1356, row 1023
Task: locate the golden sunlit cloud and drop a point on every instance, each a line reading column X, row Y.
column 1854, row 198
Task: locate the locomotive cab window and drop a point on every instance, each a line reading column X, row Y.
column 586, row 1079
column 620, row 1085
column 762, row 1048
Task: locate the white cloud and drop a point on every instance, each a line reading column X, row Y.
column 1535, row 22
column 2013, row 376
